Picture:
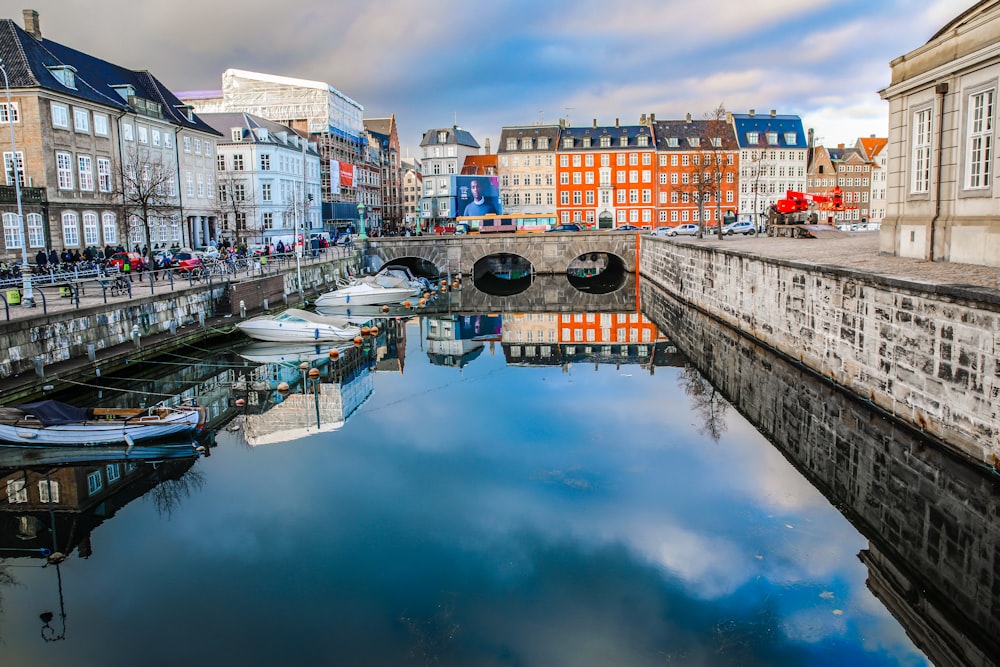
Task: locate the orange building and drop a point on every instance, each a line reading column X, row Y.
column 604, row 176
column 696, row 171
column 606, row 328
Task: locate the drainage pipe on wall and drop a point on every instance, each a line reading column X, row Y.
column 941, row 89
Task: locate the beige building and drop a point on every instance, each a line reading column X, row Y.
column 527, row 169
column 942, row 193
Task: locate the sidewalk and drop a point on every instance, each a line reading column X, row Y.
column 859, row 251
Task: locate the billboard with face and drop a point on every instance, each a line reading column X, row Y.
column 477, row 195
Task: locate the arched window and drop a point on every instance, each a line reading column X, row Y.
column 90, row 232
column 71, row 229
column 110, row 228
column 12, row 239
column 36, row 230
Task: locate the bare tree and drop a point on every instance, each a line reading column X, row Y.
column 236, row 205
column 699, row 186
column 718, row 158
column 147, row 191
column 707, row 402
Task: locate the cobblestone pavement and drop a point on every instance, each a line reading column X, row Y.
column 859, row 251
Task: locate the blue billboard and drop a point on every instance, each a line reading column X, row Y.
column 477, row 195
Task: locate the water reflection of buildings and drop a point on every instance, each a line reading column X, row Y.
column 457, row 340
column 55, row 507
column 563, row 339
column 931, row 521
column 298, row 391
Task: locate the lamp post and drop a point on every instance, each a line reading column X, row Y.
column 28, row 297
column 361, row 221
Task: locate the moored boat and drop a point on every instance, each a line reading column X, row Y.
column 55, row 424
column 298, row 326
column 392, row 284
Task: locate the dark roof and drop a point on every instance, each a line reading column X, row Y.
column 762, row 124
column 683, row 130
column 533, row 131
column 28, row 60
column 224, row 122
column 616, row 132
column 454, row 135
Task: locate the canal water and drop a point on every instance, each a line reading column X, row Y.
column 477, row 489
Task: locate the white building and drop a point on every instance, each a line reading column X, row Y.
column 942, row 193
column 773, row 158
column 268, row 180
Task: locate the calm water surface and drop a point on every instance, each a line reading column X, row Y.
column 478, row 513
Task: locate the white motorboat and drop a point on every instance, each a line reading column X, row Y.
column 54, row 424
column 392, row 284
column 298, row 326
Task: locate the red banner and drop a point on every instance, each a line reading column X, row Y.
column 346, row 175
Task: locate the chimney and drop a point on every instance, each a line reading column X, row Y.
column 752, row 113
column 652, row 118
column 617, row 124
column 774, row 113
column 595, row 122
column 31, row 24
column 487, row 145
column 729, row 117
column 840, row 146
column 687, row 119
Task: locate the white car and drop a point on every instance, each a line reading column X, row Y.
column 663, row 231
column 743, row 227
column 689, row 229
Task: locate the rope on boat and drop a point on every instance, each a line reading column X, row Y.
column 124, row 391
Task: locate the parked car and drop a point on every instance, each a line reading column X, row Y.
column 744, row 227
column 184, row 260
column 663, row 231
column 627, row 228
column 207, row 252
column 134, row 260
column 568, row 227
column 689, row 229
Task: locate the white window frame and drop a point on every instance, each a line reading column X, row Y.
column 81, row 120
column 920, row 165
column 979, row 140
column 90, row 229
column 36, row 230
column 70, row 229
column 85, row 172
column 8, row 164
column 12, row 231
column 60, row 115
column 101, row 125
column 127, row 134
column 104, row 174
column 109, row 226
column 15, row 113
column 64, row 170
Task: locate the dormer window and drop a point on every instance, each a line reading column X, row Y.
column 772, row 138
column 568, row 142
column 623, row 140
column 125, row 91
column 672, row 142
column 236, row 133
column 543, row 143
column 694, row 141
column 66, row 74
column 586, row 142
column 716, row 142
column 753, row 138
column 442, row 136
column 643, row 140
column 790, row 138
column 605, row 142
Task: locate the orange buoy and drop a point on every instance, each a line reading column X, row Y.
column 313, row 373
column 358, row 340
column 374, row 331
column 282, row 386
column 334, row 353
column 407, row 304
column 240, row 402
column 304, row 366
column 365, row 330
column 385, row 309
column 444, row 283
column 454, row 285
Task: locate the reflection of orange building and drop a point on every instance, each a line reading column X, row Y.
column 607, row 328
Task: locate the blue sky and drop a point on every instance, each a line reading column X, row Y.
column 485, row 65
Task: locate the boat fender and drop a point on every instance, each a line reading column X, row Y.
column 316, row 333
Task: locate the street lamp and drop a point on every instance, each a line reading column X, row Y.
column 361, row 221
column 28, row 297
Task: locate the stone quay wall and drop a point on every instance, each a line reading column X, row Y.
column 928, row 355
column 67, row 332
column 918, row 505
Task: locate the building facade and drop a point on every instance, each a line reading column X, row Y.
column 942, row 191
column 526, row 165
column 875, row 150
column 443, row 155
column 773, row 159
column 383, row 132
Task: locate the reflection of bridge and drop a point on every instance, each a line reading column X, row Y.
column 547, row 253
column 545, row 294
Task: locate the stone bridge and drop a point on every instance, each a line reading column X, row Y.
column 548, row 253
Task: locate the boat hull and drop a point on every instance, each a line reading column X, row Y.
column 177, row 423
column 279, row 332
column 372, row 297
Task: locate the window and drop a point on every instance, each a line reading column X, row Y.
column 12, row 231
column 48, row 491
column 15, row 113
column 104, row 174
column 85, row 165
column 16, row 491
column 265, row 192
column 8, row 167
column 921, row 151
column 197, row 146
column 772, row 138
column 114, row 472
column 94, row 482
column 60, row 115
column 127, row 131
column 189, row 180
column 36, row 230
column 71, row 229
column 110, row 226
column 238, row 162
column 265, row 162
column 100, row 124
column 64, row 171
column 753, row 138
column 143, row 132
column 156, row 137
column 980, row 142
column 81, row 120
column 90, row 237
column 790, row 138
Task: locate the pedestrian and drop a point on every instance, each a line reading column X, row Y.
column 41, row 259
column 53, row 258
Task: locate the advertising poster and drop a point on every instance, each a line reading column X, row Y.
column 477, row 195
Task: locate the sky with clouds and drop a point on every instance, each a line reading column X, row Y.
column 520, row 62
